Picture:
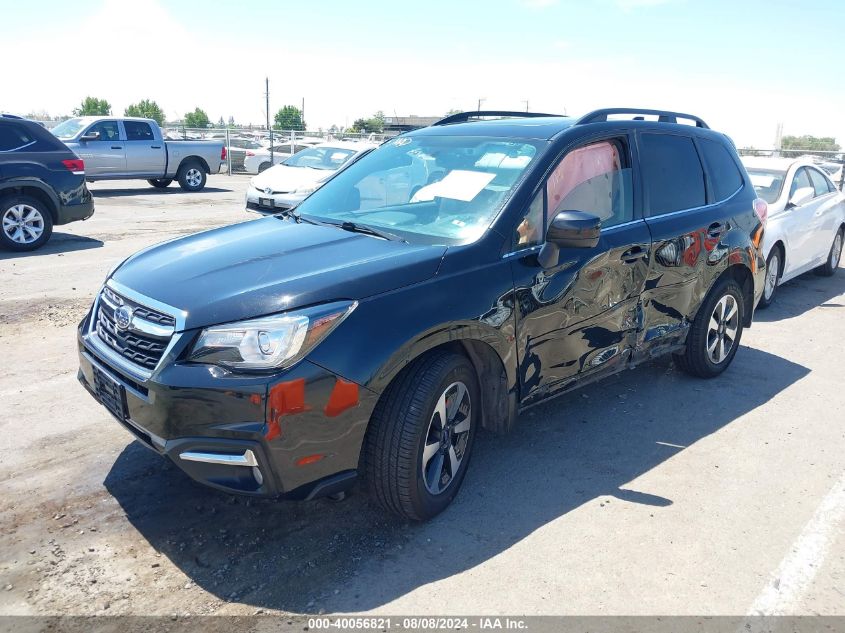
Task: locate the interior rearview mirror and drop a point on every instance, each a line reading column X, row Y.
column 801, row 195
column 569, row 229
column 90, row 136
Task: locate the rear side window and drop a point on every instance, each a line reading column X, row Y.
column 819, row 182
column 725, row 178
column 138, row 131
column 673, row 179
column 16, row 138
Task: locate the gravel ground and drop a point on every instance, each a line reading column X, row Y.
column 649, row 493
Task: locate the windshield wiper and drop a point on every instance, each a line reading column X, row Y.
column 368, row 230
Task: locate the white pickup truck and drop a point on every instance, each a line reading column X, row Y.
column 118, row 148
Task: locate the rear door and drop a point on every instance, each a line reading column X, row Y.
column 826, row 217
column 105, row 156
column 578, row 318
column 687, row 219
column 145, row 155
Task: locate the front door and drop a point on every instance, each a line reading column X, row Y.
column 105, row 156
column 579, row 317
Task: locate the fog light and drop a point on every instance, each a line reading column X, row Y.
column 256, row 472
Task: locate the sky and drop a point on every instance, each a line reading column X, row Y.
column 742, row 65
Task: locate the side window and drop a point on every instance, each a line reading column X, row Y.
column 15, row 138
column 800, row 181
column 672, row 175
column 138, row 131
column 108, row 130
column 594, row 178
column 724, row 174
column 819, row 182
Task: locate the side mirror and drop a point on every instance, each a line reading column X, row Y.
column 569, row 229
column 90, row 136
column 802, row 195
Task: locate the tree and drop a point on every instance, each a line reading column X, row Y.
column 147, row 109
column 93, row 106
column 813, row 143
column 289, row 118
column 197, row 118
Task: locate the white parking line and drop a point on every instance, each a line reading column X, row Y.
column 797, row 570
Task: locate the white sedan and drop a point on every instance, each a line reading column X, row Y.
column 257, row 160
column 285, row 185
column 806, row 219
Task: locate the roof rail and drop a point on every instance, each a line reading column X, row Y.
column 664, row 116
column 463, row 117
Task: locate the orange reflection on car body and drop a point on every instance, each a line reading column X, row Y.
column 344, row 396
column 286, row 398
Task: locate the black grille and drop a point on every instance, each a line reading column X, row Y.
column 142, row 349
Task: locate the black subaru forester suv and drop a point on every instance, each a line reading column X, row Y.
column 438, row 285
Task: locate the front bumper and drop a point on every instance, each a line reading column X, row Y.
column 295, row 434
column 268, row 203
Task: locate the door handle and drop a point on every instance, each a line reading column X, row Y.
column 633, row 254
column 117, row 147
column 155, row 146
column 716, row 229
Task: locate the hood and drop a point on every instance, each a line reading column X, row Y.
column 282, row 178
column 271, row 265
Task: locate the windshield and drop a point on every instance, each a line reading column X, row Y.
column 68, row 129
column 448, row 188
column 767, row 183
column 326, row 158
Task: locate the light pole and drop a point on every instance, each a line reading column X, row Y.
column 480, row 101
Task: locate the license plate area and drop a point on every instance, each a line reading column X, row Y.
column 265, row 202
column 110, row 393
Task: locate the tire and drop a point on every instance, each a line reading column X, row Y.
column 402, row 477
column 191, row 176
column 25, row 223
column 774, row 269
column 263, row 167
column 703, row 356
column 160, row 183
column 833, row 257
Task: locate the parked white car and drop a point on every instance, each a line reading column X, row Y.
column 285, row 185
column 258, row 160
column 806, row 219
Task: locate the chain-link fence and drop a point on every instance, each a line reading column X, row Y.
column 251, row 151
column 832, row 162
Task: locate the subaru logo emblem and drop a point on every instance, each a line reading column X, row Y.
column 123, row 317
column 268, row 190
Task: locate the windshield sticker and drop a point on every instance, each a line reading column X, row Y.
column 458, row 184
column 762, row 180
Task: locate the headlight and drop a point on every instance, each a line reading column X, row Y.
column 271, row 342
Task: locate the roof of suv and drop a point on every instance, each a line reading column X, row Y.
column 528, row 127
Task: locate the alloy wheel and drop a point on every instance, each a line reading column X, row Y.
column 836, row 251
column 23, row 223
column 193, row 177
column 446, row 438
column 772, row 276
column 722, row 329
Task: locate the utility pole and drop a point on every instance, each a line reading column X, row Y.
column 302, row 116
column 525, row 101
column 480, row 101
column 267, row 104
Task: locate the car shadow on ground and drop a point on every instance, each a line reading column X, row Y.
column 350, row 556
column 804, row 293
column 58, row 243
column 172, row 190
